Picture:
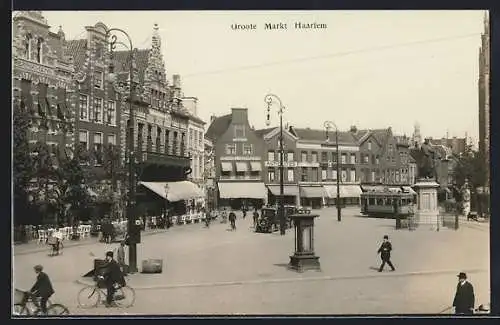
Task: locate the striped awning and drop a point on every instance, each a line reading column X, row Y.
column 256, row 166
column 227, row 166
column 346, row 191
column 241, row 166
column 312, row 191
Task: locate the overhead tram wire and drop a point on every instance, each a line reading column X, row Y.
column 331, row 55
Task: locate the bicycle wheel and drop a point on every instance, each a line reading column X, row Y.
column 88, row 297
column 124, row 297
column 20, row 310
column 57, row 310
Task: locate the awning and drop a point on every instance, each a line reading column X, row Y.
column 256, row 166
column 241, row 166
column 242, row 190
column 408, row 189
column 371, row 188
column 288, row 190
column 177, row 191
column 227, row 166
column 345, row 191
column 312, row 191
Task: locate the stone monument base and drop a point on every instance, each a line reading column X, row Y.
column 303, row 263
column 427, row 212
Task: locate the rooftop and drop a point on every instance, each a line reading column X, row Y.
column 218, row 126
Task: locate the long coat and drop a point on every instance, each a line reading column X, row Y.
column 385, row 251
column 464, row 298
column 43, row 286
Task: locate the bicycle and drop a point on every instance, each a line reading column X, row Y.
column 93, row 295
column 30, row 306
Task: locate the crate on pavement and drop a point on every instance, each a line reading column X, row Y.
column 152, row 266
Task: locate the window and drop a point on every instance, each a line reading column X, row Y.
column 111, row 119
column 200, row 139
column 377, row 160
column 366, row 159
column 304, row 174
column 334, row 174
column 39, row 50
column 314, row 174
column 230, row 149
column 372, row 178
column 194, row 140
column 167, row 138
column 290, row 174
column 352, row 176
column 353, row 158
column 158, row 139
column 43, row 109
column 304, row 156
column 290, row 156
column 84, row 139
column 239, row 131
column 270, row 174
column 343, row 158
column 200, row 167
column 369, row 145
column 27, row 47
column 112, row 139
column 344, row 175
column 324, row 156
column 323, row 174
column 314, row 157
column 84, row 107
column 98, row 79
column 247, row 149
column 98, row 110
column 270, row 155
column 191, row 138
column 97, row 142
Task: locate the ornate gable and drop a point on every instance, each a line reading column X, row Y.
column 155, row 77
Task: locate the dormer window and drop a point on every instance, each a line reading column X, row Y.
column 39, row 50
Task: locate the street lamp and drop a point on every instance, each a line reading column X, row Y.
column 131, row 156
column 328, row 126
column 167, row 215
column 269, row 98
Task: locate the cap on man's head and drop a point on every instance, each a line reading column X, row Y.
column 38, row 268
column 462, row 275
column 386, row 237
column 109, row 253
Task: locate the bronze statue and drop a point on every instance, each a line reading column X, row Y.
column 425, row 157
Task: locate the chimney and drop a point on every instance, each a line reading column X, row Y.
column 354, row 129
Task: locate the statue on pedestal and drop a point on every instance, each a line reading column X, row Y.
column 425, row 158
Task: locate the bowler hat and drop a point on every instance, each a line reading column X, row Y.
column 386, row 237
column 462, row 275
column 109, row 253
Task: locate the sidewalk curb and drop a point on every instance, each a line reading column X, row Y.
column 285, row 280
column 86, row 243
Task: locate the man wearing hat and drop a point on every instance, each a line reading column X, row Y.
column 112, row 275
column 42, row 287
column 464, row 297
column 385, row 253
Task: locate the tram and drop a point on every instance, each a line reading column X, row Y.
column 381, row 202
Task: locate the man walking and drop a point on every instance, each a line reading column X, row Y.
column 464, row 297
column 255, row 217
column 385, row 254
column 42, row 287
column 232, row 220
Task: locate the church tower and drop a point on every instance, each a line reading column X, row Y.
column 416, row 139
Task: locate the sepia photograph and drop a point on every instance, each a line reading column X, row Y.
column 250, row 163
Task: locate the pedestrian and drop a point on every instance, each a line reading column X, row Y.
column 244, row 211
column 464, row 297
column 208, row 217
column 255, row 217
column 120, row 256
column 232, row 220
column 385, row 253
column 42, row 287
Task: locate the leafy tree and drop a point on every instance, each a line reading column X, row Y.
column 22, row 164
column 472, row 166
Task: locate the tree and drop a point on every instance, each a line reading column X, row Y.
column 22, row 172
column 472, row 166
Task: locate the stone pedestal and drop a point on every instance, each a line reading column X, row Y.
column 304, row 257
column 427, row 210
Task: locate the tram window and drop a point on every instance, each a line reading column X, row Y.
column 380, row 201
column 371, row 201
column 403, row 202
column 388, row 201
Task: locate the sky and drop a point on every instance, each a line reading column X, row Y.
column 371, row 69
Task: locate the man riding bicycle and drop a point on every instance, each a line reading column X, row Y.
column 42, row 288
column 112, row 275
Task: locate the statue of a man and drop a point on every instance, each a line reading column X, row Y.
column 426, row 164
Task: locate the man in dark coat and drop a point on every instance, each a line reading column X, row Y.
column 255, row 218
column 464, row 297
column 112, row 275
column 42, row 288
column 232, row 220
column 385, row 253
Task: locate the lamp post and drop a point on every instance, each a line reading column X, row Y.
column 131, row 155
column 328, row 126
column 167, row 215
column 269, row 99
